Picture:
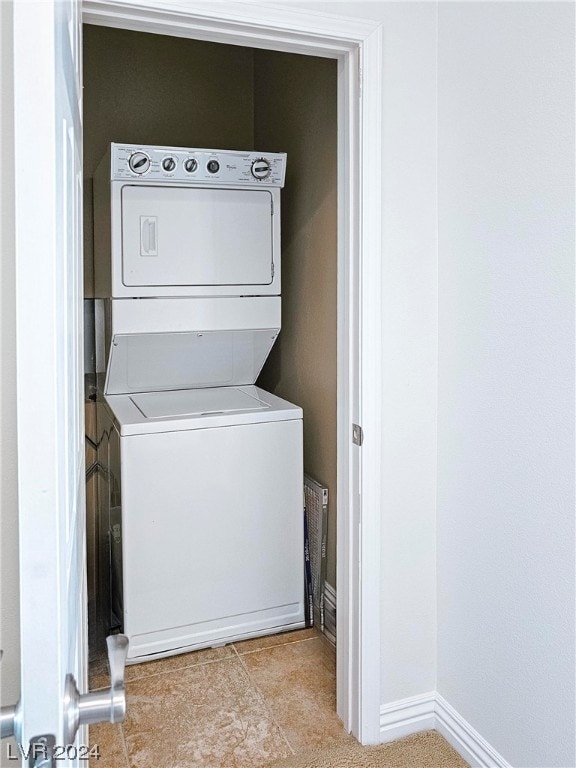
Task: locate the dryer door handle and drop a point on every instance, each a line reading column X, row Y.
column 148, row 236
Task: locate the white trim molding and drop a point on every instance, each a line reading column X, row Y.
column 407, row 716
column 235, row 23
column 430, row 711
column 465, row 739
column 357, row 46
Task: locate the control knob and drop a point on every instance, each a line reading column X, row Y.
column 139, row 162
column 168, row 164
column 213, row 166
column 261, row 168
column 191, row 164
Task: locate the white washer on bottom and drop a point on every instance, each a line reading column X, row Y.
column 212, row 517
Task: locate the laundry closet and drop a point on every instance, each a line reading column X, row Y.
column 146, row 89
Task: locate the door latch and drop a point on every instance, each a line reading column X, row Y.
column 103, row 706
column 357, row 434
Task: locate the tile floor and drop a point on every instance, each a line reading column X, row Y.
column 239, row 706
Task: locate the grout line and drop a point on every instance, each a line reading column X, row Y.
column 276, row 645
column 169, row 671
column 180, row 669
column 264, row 701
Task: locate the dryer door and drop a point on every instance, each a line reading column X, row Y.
column 175, row 236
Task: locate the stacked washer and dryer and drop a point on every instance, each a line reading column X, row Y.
column 201, row 513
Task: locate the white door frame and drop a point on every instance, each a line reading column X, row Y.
column 357, row 45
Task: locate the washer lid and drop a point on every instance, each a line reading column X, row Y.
column 180, row 411
column 196, row 402
column 153, row 362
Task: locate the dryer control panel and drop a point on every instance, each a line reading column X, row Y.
column 193, row 166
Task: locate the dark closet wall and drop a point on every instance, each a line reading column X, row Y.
column 295, row 101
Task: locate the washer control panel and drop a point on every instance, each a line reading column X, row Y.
column 197, row 166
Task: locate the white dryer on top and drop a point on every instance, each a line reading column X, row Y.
column 187, row 222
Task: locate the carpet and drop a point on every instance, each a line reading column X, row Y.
column 422, row 750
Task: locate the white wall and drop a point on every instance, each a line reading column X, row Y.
column 9, row 594
column 505, row 538
column 506, row 375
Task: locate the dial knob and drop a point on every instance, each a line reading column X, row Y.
column 168, row 164
column 139, row 162
column 261, row 168
column 213, row 166
column 191, row 164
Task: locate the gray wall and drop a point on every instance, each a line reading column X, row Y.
column 295, row 111
column 506, row 375
column 153, row 89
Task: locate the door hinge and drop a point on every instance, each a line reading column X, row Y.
column 357, row 434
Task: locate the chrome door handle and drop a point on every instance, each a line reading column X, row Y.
column 9, row 721
column 102, row 706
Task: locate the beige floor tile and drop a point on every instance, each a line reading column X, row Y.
column 298, row 682
column 110, row 742
column 269, row 641
column 203, row 716
column 181, row 661
column 99, row 676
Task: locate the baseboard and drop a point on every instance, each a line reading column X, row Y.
column 431, row 711
column 406, row 716
column 465, row 739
